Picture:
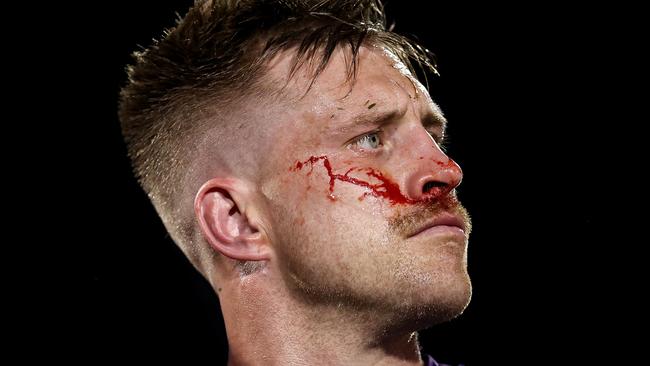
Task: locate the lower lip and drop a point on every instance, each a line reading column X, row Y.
column 442, row 229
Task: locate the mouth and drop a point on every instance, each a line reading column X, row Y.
column 445, row 223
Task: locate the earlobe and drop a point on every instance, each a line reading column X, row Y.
column 220, row 208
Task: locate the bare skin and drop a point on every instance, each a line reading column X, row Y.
column 332, row 217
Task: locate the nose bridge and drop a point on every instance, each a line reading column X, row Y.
column 431, row 149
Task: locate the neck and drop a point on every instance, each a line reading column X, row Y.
column 267, row 325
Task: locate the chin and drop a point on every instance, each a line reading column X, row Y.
column 442, row 308
column 451, row 303
column 438, row 305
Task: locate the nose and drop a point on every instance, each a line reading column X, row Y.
column 443, row 177
column 435, row 176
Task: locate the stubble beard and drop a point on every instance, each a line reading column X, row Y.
column 397, row 309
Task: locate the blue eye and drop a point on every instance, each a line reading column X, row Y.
column 369, row 141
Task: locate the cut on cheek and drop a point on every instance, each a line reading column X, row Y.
column 385, row 189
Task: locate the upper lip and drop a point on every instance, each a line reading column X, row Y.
column 447, row 219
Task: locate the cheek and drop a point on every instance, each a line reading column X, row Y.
column 361, row 181
column 303, row 199
column 335, row 234
column 331, row 244
column 305, row 211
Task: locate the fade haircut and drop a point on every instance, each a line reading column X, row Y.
column 216, row 55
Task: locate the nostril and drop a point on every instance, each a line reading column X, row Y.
column 428, row 186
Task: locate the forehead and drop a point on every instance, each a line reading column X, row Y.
column 381, row 83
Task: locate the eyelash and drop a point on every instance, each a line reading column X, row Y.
column 357, row 140
column 440, row 141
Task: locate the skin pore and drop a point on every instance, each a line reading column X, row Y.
column 349, row 177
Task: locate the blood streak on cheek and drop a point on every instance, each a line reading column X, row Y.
column 385, row 189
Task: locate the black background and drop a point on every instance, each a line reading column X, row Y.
column 527, row 92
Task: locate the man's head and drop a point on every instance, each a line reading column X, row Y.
column 290, row 137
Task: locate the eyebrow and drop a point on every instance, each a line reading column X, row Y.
column 429, row 120
column 378, row 119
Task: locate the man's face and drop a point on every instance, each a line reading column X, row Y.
column 352, row 180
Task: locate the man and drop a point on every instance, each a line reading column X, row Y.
column 297, row 162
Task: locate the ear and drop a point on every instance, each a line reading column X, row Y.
column 221, row 207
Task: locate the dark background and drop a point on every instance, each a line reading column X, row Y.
column 527, row 91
